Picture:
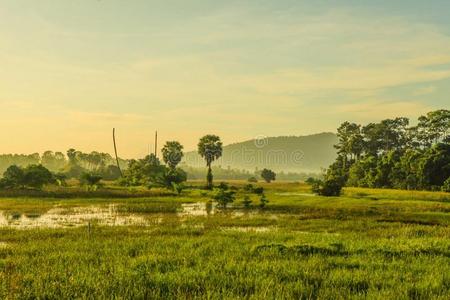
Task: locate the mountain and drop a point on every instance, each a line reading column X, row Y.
column 284, row 153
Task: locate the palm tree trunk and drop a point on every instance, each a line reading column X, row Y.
column 209, row 178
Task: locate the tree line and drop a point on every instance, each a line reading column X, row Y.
column 393, row 154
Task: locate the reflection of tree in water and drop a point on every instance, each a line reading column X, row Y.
column 209, row 207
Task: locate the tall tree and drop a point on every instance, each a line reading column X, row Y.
column 210, row 148
column 350, row 143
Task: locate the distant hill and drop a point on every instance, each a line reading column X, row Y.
column 285, row 153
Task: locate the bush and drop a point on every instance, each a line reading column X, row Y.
column 223, row 186
column 178, row 187
column 263, row 201
column 310, row 180
column 247, row 202
column 173, row 176
column 329, row 187
column 446, row 186
column 223, row 197
column 249, row 188
column 252, row 179
column 258, row 190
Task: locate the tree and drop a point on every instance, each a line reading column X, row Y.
column 434, row 127
column 434, row 167
column 394, row 155
column 36, row 176
column 172, row 154
column 13, row 177
column 350, row 141
column 210, row 148
column 111, row 172
column 72, row 155
column 53, row 161
column 268, row 175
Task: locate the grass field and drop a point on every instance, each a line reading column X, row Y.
column 367, row 244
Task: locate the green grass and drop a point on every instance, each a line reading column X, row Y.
column 298, row 247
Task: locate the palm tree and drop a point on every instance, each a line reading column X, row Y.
column 172, row 154
column 210, row 148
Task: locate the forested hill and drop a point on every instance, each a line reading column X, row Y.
column 285, row 153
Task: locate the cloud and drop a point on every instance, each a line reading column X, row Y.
column 375, row 110
column 424, row 90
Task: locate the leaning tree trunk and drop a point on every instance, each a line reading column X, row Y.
column 115, row 151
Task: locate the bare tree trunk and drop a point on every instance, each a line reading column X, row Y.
column 156, row 143
column 115, row 151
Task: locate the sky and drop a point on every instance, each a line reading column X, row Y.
column 70, row 71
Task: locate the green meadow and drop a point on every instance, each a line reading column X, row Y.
column 366, row 244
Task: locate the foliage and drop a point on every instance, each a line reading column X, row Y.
column 263, row 201
column 328, row 187
column 310, row 180
column 178, row 187
column 90, row 180
column 224, row 196
column 247, row 201
column 258, row 190
column 32, row 176
column 252, row 179
column 224, row 186
column 150, row 173
column 250, row 188
column 446, row 186
column 173, row 176
column 210, row 148
column 172, row 153
column 268, row 175
column 389, row 154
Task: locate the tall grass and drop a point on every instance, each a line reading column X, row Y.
column 352, row 247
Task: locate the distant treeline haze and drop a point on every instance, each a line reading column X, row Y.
column 74, row 163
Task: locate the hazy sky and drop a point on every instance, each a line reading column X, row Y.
column 72, row 70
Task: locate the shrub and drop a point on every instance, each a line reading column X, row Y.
column 223, row 186
column 310, row 180
column 252, row 179
column 446, row 186
column 249, row 188
column 329, row 187
column 178, row 187
column 173, row 176
column 263, row 201
column 247, row 202
column 258, row 190
column 223, row 197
